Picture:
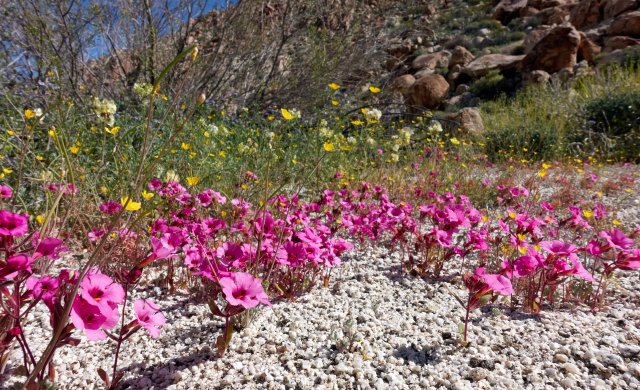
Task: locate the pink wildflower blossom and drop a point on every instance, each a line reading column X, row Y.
column 243, row 289
column 149, row 316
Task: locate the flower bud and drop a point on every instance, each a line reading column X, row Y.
column 202, row 98
column 194, row 53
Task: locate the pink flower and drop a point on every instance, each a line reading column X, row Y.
column 558, row 247
column 99, row 290
column 5, row 192
column 497, row 283
column 14, row 225
column 243, row 289
column 50, row 247
column 14, row 265
column 593, row 248
column 630, row 261
column 45, row 288
column 110, row 207
column 161, row 247
column 149, row 316
column 617, row 239
column 525, row 265
column 93, row 321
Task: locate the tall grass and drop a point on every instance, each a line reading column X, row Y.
column 545, row 122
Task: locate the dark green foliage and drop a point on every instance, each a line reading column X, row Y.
column 490, row 86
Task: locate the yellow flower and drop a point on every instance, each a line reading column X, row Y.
column 329, row 147
column 52, row 133
column 113, row 130
column 193, row 180
column 546, row 166
column 542, row 173
column 616, row 222
column 270, row 118
column 7, row 170
column 335, row 103
column 39, row 157
column 147, row 195
column 222, row 154
column 74, row 149
column 455, row 141
column 587, row 213
column 10, row 133
column 40, row 219
column 286, row 114
column 129, row 205
column 185, row 146
column 29, row 113
column 357, row 122
column 104, row 190
column 334, row 86
column 373, row 89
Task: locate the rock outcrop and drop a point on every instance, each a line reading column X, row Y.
column 428, row 91
column 555, row 51
column 485, row 64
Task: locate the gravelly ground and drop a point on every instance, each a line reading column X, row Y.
column 375, row 329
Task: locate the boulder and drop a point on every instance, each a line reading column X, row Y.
column 466, row 99
column 586, row 14
column 507, row 10
column 460, row 56
column 403, row 84
column 554, row 15
column 485, row 64
column 613, row 8
column 429, row 91
column 626, row 24
column 400, row 50
column 468, row 121
column 423, row 72
column 619, row 57
column 587, row 49
column 534, row 37
column 462, row 88
column 544, row 4
column 557, row 50
column 536, row 77
column 435, row 60
column 528, row 11
column 619, row 42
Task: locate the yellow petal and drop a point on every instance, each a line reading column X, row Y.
column 193, row 180
column 373, row 89
column 131, row 205
column 286, row 114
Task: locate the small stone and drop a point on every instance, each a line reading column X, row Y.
column 560, row 358
column 571, row 368
column 477, row 374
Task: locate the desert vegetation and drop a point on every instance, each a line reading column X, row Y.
column 275, row 199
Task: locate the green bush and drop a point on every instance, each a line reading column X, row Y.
column 490, row 86
column 614, row 115
column 612, row 123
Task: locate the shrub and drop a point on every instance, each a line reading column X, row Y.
column 614, row 123
column 490, row 86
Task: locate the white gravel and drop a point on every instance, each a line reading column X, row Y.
column 374, row 329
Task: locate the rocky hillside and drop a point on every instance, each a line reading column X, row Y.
column 523, row 42
column 433, row 55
